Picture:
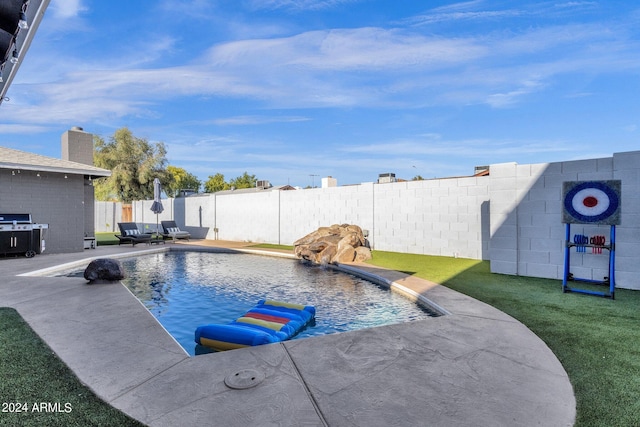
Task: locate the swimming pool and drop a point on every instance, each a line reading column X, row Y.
column 184, row 290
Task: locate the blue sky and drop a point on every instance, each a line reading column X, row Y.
column 295, row 90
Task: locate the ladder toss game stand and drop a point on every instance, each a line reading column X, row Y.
column 594, row 203
column 608, row 280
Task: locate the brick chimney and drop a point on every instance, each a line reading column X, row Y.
column 77, row 146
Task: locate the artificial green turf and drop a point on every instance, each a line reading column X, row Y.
column 106, row 238
column 597, row 340
column 41, row 386
column 272, row 246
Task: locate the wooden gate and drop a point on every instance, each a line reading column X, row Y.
column 127, row 213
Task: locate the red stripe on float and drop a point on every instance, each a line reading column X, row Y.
column 268, row 317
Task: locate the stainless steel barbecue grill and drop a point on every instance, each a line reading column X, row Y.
column 18, row 235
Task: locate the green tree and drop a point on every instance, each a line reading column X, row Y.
column 181, row 180
column 215, row 183
column 417, row 178
column 243, row 181
column 133, row 162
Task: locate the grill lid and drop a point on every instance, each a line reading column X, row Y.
column 15, row 218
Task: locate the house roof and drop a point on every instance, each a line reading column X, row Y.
column 285, row 187
column 16, row 159
column 255, row 190
column 242, row 190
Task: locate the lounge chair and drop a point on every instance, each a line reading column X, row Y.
column 129, row 233
column 172, row 231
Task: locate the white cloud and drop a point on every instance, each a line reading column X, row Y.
column 22, row 129
column 257, row 120
column 297, row 5
column 360, row 49
column 574, row 4
column 65, row 9
column 360, row 67
column 499, row 100
column 428, row 146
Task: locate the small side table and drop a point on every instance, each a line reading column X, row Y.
column 157, row 239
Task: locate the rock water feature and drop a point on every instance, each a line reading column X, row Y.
column 104, row 270
column 332, row 245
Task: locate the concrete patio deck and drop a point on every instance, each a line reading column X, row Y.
column 475, row 366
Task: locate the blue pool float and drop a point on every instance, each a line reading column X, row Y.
column 268, row 322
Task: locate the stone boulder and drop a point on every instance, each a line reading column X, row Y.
column 335, row 244
column 104, row 270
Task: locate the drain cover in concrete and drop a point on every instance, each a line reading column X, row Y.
column 246, row 378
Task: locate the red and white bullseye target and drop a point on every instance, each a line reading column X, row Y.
column 591, row 202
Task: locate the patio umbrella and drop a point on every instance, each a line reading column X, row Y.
column 157, row 207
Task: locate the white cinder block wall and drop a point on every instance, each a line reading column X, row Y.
column 249, row 217
column 435, row 217
column 512, row 217
column 304, row 211
column 527, row 235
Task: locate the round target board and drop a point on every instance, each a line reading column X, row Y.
column 591, row 202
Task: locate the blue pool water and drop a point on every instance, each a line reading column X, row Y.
column 184, row 290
